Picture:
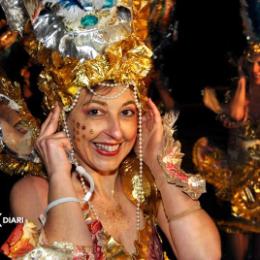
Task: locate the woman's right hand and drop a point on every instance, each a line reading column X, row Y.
column 53, row 146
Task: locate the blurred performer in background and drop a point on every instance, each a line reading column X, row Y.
column 236, row 173
column 163, row 35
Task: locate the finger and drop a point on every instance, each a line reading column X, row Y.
column 246, row 115
column 61, row 137
column 41, row 141
column 48, row 119
column 155, row 112
column 55, row 142
column 53, row 123
column 53, row 150
column 242, row 82
column 46, row 122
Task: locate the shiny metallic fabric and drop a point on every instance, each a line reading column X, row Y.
column 235, row 181
column 80, row 30
column 15, row 14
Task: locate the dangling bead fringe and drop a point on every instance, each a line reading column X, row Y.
column 140, row 197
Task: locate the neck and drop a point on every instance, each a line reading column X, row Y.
column 105, row 183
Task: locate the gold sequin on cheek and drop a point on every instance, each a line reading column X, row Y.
column 73, row 131
column 78, row 125
column 83, row 136
column 76, row 133
column 83, row 127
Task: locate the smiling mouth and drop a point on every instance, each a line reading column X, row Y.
column 107, row 149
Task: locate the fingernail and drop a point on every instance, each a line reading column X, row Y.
column 54, row 106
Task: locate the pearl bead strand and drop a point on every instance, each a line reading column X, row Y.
column 140, row 192
column 74, row 102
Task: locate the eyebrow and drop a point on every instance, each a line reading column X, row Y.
column 128, row 103
column 94, row 101
column 105, row 104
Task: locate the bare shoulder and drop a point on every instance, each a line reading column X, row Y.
column 29, row 197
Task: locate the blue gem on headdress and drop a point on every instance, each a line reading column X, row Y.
column 109, row 3
column 89, row 20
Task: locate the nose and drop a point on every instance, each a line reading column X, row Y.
column 114, row 128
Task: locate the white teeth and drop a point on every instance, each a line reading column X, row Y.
column 108, row 148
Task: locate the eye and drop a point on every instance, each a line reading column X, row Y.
column 95, row 112
column 128, row 112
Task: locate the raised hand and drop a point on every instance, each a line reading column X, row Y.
column 54, row 146
column 152, row 134
column 239, row 103
column 210, row 100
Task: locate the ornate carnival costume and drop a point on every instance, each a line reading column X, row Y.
column 83, row 44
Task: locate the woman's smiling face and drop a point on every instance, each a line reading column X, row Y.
column 103, row 131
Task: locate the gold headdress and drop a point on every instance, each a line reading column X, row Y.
column 83, row 43
column 126, row 62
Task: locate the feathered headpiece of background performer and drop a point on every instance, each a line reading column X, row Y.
column 250, row 13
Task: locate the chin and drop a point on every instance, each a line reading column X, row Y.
column 106, row 168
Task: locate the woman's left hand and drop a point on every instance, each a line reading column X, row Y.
column 152, row 134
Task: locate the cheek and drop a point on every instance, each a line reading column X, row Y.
column 76, row 133
column 130, row 131
column 85, row 131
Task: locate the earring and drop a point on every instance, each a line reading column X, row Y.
column 91, row 131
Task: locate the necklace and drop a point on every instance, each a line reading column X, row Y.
column 92, row 209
